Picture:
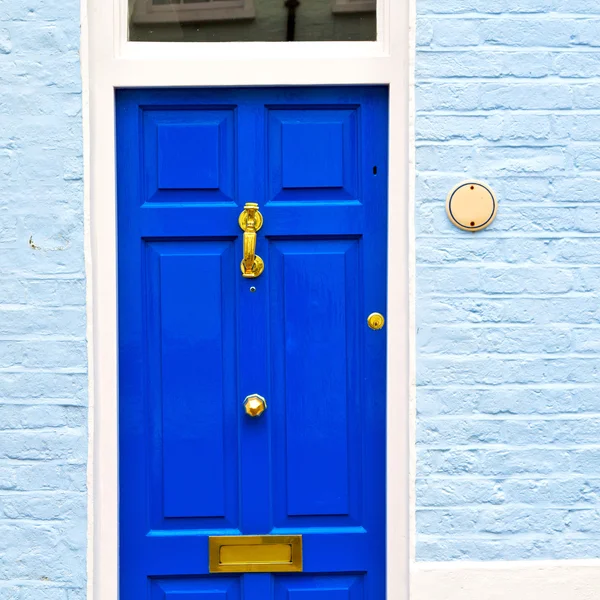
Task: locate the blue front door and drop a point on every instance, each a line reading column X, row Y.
column 197, row 337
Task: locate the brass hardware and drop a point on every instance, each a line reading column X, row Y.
column 255, row 405
column 251, row 221
column 254, row 553
column 376, row 320
column 250, row 210
column 471, row 205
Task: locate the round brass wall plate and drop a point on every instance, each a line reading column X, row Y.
column 471, row 205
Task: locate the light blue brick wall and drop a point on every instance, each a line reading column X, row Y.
column 43, row 379
column 508, row 338
column 508, row 320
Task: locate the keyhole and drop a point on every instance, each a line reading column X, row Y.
column 252, row 289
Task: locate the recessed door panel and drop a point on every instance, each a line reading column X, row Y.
column 252, row 400
column 188, row 154
column 313, row 153
column 190, row 301
column 316, row 294
column 196, row 588
column 319, row 587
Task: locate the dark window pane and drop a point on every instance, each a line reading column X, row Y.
column 251, row 20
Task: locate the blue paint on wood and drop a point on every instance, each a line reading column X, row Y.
column 312, row 155
column 319, row 587
column 315, row 304
column 197, row 588
column 195, row 340
column 188, row 156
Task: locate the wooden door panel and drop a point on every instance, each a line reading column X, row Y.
column 319, row 587
column 191, row 352
column 188, row 154
column 312, row 153
column 315, row 295
column 195, row 338
column 196, row 588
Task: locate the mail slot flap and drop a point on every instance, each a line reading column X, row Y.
column 254, row 553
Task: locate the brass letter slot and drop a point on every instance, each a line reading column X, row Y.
column 254, row 553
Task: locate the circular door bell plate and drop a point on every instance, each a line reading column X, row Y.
column 471, row 205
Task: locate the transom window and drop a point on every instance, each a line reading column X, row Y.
column 252, row 20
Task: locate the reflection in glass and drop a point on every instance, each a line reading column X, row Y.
column 251, row 20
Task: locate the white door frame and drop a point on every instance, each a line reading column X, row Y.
column 109, row 62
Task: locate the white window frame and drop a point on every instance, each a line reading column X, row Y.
column 215, row 10
column 110, row 61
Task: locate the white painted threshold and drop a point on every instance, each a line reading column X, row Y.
column 519, row 580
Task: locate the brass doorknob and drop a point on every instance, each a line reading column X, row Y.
column 255, row 405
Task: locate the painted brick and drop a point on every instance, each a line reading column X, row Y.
column 15, row 416
column 501, row 340
column 576, row 127
column 43, row 445
column 484, row 370
column 512, row 400
column 475, row 95
column 46, row 506
column 447, row 492
column 486, row 64
column 18, row 475
column 494, row 520
column 5, row 41
column 497, row 462
column 43, row 551
column 501, row 547
column 33, row 320
column 43, row 363
column 508, row 394
column 587, row 159
column 552, row 31
column 451, row 432
column 42, row 592
column 561, row 491
column 526, row 219
column 66, row 387
column 577, row 64
column 492, row 128
column 539, row 7
column 508, row 336
column 42, row 354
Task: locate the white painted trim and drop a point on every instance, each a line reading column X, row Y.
column 412, row 327
column 523, row 580
column 114, row 62
column 226, row 56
